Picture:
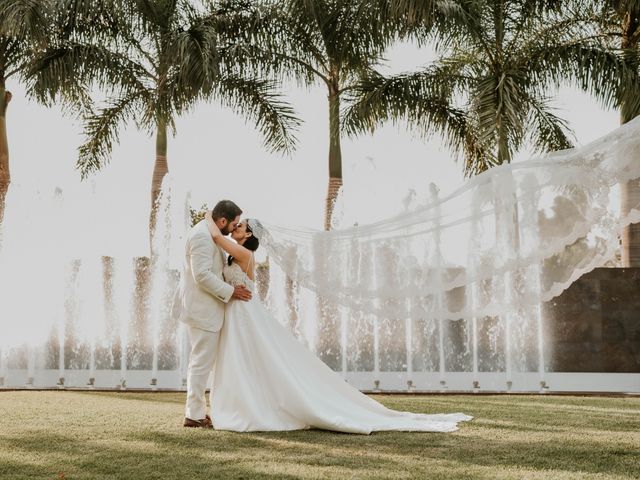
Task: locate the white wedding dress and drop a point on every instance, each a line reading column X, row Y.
column 266, row 380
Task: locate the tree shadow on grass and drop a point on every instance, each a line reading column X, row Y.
column 82, row 459
column 177, row 398
column 311, row 448
column 385, row 448
column 198, row 454
column 577, row 456
column 17, row 470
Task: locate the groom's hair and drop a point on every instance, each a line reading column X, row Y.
column 226, row 209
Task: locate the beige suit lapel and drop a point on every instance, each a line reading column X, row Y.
column 223, row 254
column 215, row 245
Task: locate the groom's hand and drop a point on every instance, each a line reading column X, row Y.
column 240, row 292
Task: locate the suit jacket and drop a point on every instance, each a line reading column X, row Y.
column 202, row 293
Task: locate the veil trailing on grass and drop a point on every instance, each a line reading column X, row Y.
column 509, row 238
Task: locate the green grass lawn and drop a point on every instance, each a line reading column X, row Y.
column 95, row 435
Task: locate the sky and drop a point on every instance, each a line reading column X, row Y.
column 218, row 155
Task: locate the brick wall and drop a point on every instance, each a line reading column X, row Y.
column 594, row 326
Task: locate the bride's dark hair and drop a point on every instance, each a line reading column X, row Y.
column 252, row 243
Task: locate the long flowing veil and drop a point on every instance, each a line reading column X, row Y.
column 509, row 238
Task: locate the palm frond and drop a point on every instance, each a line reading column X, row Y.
column 102, row 132
column 257, row 100
column 426, row 12
column 593, row 67
column 417, row 98
column 266, row 40
column 360, row 34
column 26, row 19
column 195, row 56
column 495, row 105
column 549, row 132
column 80, row 20
column 624, row 6
column 71, row 68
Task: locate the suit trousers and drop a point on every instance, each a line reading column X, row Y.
column 204, row 348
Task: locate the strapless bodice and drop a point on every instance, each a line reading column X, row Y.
column 234, row 275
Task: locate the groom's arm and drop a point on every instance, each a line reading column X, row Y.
column 201, row 259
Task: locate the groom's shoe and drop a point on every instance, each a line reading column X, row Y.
column 207, row 419
column 204, row 423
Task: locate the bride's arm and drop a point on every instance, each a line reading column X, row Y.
column 232, row 248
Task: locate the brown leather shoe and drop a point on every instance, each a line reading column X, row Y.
column 204, row 423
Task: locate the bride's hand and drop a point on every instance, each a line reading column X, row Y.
column 213, row 228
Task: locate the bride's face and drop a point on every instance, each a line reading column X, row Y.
column 240, row 234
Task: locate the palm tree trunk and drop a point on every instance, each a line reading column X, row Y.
column 160, row 169
column 630, row 198
column 504, row 156
column 328, row 340
column 5, row 175
column 335, row 153
column 144, row 265
column 630, row 191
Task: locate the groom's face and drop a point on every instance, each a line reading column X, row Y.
column 228, row 226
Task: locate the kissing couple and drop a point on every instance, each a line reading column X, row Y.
column 264, row 379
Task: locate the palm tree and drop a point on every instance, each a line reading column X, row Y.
column 155, row 60
column 497, row 72
column 23, row 25
column 330, row 42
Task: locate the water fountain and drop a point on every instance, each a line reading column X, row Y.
column 75, row 315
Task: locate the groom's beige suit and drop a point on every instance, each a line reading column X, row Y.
column 202, row 297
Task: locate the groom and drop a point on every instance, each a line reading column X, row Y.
column 202, row 297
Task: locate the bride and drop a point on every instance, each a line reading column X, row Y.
column 265, row 379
